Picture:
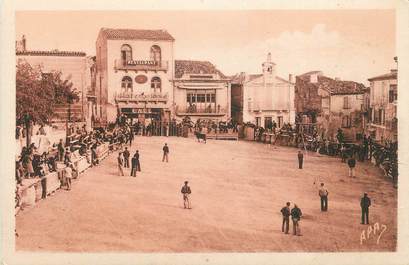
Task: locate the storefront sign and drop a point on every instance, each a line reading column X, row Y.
column 142, row 62
column 141, row 79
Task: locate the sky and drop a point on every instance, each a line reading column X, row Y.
column 348, row 44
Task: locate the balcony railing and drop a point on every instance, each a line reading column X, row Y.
column 126, row 96
column 141, row 66
column 212, row 111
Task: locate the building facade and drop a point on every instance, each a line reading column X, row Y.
column 330, row 104
column 74, row 67
column 383, row 99
column 201, row 91
column 134, row 74
column 266, row 97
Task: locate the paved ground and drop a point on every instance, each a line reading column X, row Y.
column 238, row 189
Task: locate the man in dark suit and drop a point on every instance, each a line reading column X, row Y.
column 365, row 203
column 285, row 211
column 138, row 165
column 126, row 155
column 165, row 153
column 134, row 162
column 300, row 159
column 323, row 193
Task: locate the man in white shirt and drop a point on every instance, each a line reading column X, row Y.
column 323, row 193
column 68, row 175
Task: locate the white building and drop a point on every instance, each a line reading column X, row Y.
column 268, row 97
column 383, row 107
column 134, row 73
column 74, row 66
column 201, row 91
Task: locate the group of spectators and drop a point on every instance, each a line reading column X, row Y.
column 384, row 155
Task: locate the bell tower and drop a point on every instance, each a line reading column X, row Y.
column 269, row 69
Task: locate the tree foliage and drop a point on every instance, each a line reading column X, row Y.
column 37, row 93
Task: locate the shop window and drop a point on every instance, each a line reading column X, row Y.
column 156, row 84
column 126, row 53
column 156, row 53
column 126, row 84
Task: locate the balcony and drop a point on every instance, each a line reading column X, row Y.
column 200, row 111
column 141, row 97
column 141, row 65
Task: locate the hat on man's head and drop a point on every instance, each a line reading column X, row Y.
column 186, row 182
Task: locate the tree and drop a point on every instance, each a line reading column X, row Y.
column 37, row 93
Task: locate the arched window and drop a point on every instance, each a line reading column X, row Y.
column 156, row 53
column 156, row 84
column 126, row 84
column 126, row 53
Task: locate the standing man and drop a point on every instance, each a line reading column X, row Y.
column 134, row 162
column 323, row 193
column 60, row 151
column 131, row 136
column 365, row 203
column 138, row 165
column 68, row 175
column 300, row 159
column 351, row 165
column 120, row 164
column 285, row 211
column 186, row 193
column 126, row 157
column 296, row 216
column 165, row 153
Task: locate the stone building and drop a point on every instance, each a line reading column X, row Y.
column 201, row 91
column 383, row 107
column 263, row 98
column 74, row 67
column 330, row 104
column 134, row 74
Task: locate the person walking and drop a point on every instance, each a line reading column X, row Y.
column 323, row 193
column 165, row 153
column 300, row 159
column 186, row 191
column 285, row 211
column 120, row 164
column 296, row 216
column 365, row 204
column 351, row 166
column 134, row 162
column 126, row 155
column 138, row 164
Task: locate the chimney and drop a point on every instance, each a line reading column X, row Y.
column 23, row 43
column 337, row 79
column 290, row 78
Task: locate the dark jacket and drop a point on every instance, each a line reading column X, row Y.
column 186, row 189
column 296, row 213
column 300, row 156
column 286, row 212
column 126, row 154
column 134, row 161
column 351, row 162
column 365, row 202
column 166, row 149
